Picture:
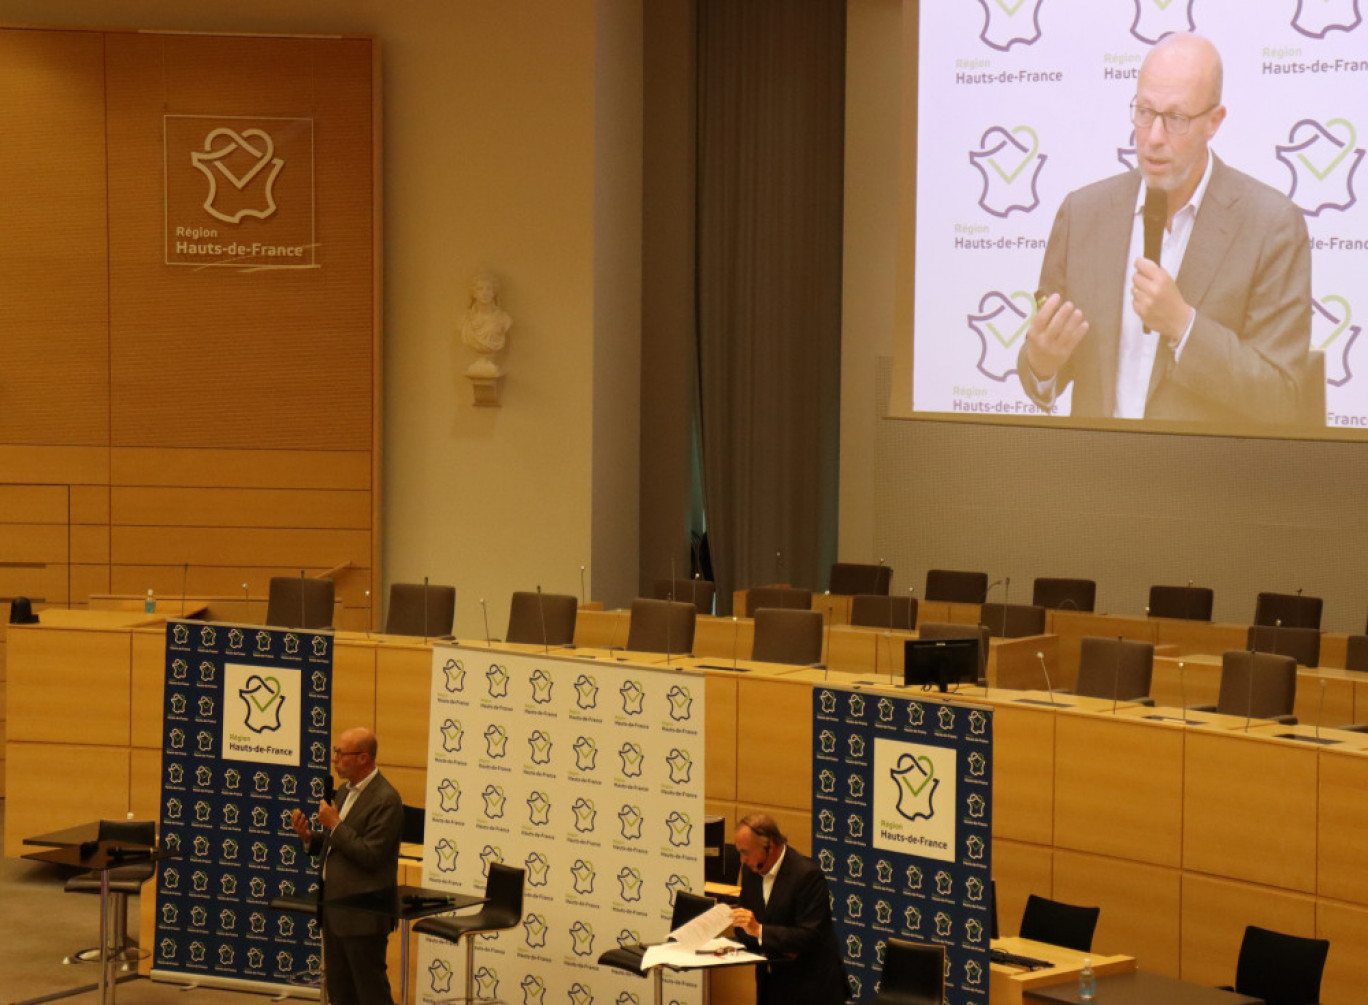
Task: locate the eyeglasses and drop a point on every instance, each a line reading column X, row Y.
column 1175, row 123
column 339, row 753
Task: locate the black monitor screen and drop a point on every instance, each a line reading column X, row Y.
column 941, row 662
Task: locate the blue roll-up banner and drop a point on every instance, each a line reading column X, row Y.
column 246, row 738
column 902, row 826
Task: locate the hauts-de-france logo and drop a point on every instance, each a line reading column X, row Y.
column 1009, row 22
column 914, row 799
column 1009, row 160
column 262, row 723
column 999, row 325
column 239, row 191
column 1323, row 158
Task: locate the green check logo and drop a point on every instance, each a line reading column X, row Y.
column 1010, row 8
column 1162, row 4
column 1344, row 151
column 264, row 698
column 1347, row 315
column 930, row 774
column 1029, row 305
column 1007, row 174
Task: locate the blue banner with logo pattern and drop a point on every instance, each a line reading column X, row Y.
column 246, row 737
column 902, row 826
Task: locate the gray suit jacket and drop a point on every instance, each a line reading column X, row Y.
column 1247, row 271
column 362, row 855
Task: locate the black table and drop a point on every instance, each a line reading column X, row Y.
column 1139, row 987
column 412, row 903
column 100, row 856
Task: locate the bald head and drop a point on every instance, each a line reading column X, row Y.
column 1186, row 59
column 355, row 752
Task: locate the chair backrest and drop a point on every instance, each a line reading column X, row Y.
column 1290, row 610
column 1356, row 653
column 139, row 832
column 956, row 587
column 1302, row 644
column 850, row 578
column 688, row 906
column 300, row 602
column 415, row 823
column 504, row 890
column 415, row 609
column 1120, row 669
column 950, row 630
column 1059, row 924
column 1012, row 621
column 871, row 611
column 1280, row 969
column 787, row 636
column 914, row 974
column 1191, row 603
column 1258, row 685
column 1064, row 594
column 541, row 619
column 661, row 626
column 698, row 592
column 785, row 597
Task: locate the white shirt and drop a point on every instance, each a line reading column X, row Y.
column 353, row 791
column 1136, row 349
column 767, row 884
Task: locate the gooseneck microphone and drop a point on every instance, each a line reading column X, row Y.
column 484, row 609
column 736, row 627
column 1155, row 220
column 582, row 595
column 1049, row 688
column 185, row 577
column 541, row 612
column 425, row 609
column 1249, row 697
column 1320, row 708
column 1182, row 690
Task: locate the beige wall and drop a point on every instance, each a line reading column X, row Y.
column 499, row 149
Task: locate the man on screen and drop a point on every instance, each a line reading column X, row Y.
column 1217, row 330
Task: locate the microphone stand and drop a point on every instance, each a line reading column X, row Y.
column 484, row 609
column 541, row 612
column 1049, row 688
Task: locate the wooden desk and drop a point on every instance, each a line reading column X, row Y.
column 1008, row 985
column 1140, row 987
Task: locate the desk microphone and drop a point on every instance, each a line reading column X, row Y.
column 1155, row 220
column 888, row 641
column 1049, row 688
column 988, row 593
column 911, row 594
column 1182, row 690
column 1320, row 709
column 541, row 612
column 1187, row 602
column 875, row 584
column 582, row 594
column 369, row 615
column 484, row 609
column 736, row 627
column 425, row 609
column 1249, row 697
column 669, row 616
column 778, row 566
column 246, row 606
column 1116, row 674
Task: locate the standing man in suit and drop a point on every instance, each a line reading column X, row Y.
column 359, row 849
column 785, row 913
column 1219, row 328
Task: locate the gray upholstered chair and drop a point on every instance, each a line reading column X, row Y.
column 871, row 611
column 1287, row 610
column 785, row 597
column 542, row 619
column 1257, row 685
column 661, row 626
column 698, row 592
column 300, row 602
column 787, row 636
column 1012, row 621
column 418, row 609
column 1119, row 669
column 850, row 578
column 1302, row 644
column 1064, row 594
column 956, row 587
column 1191, row 603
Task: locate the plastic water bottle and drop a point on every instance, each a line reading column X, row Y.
column 1087, row 982
column 150, row 604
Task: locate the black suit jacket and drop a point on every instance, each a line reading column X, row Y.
column 797, row 935
column 362, row 856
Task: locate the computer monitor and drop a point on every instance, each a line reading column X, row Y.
column 941, row 662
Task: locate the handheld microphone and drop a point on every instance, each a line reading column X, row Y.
column 541, row 612
column 1320, row 709
column 329, row 788
column 1049, row 688
column 484, row 609
column 1155, row 220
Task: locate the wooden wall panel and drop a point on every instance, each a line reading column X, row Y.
column 261, row 546
column 53, row 465
column 216, row 468
column 212, row 356
column 196, row 507
column 54, row 335
column 33, row 503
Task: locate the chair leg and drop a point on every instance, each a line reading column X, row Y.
column 121, row 948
